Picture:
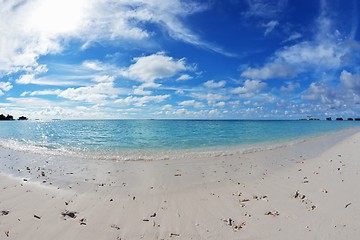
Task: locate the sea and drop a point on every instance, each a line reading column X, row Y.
column 119, row 137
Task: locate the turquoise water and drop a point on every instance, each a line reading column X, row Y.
column 114, row 136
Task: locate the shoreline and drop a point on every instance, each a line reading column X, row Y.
column 140, row 139
column 301, row 190
column 166, row 154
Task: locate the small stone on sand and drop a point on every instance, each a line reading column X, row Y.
column 4, row 213
column 82, row 221
column 115, row 226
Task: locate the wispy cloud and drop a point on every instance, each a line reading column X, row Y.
column 265, row 8
column 270, row 26
column 48, row 81
column 293, row 37
column 355, row 20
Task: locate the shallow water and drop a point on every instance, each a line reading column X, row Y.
column 111, row 137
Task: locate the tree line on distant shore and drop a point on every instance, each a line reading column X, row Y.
column 330, row 119
column 9, row 118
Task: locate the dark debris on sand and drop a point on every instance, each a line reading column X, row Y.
column 70, row 214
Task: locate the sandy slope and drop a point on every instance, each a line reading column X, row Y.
column 303, row 191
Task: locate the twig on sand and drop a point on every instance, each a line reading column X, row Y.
column 174, row 235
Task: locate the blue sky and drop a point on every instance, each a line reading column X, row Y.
column 228, row 59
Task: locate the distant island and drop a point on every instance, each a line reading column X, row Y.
column 309, row 118
column 10, row 118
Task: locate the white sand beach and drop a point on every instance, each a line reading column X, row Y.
column 306, row 190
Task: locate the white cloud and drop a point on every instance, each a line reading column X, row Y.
column 148, row 69
column 313, row 55
column 141, row 101
column 150, row 85
column 140, row 91
column 181, row 111
column 5, row 86
column 184, row 77
column 31, row 29
column 213, row 84
column 185, row 113
column 344, row 96
column 58, row 81
column 30, row 103
column 211, row 98
column 180, row 91
column 321, row 93
column 269, row 71
column 153, row 67
column 94, row 65
column 191, row 103
column 95, row 94
column 43, row 92
column 350, row 81
column 23, row 94
column 103, row 78
column 290, row 87
column 219, row 104
column 72, row 75
column 234, row 104
column 92, row 94
column 270, row 26
column 167, row 107
column 305, row 56
column 250, row 88
column 214, row 112
column 26, row 79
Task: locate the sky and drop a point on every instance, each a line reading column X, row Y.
column 179, row 59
